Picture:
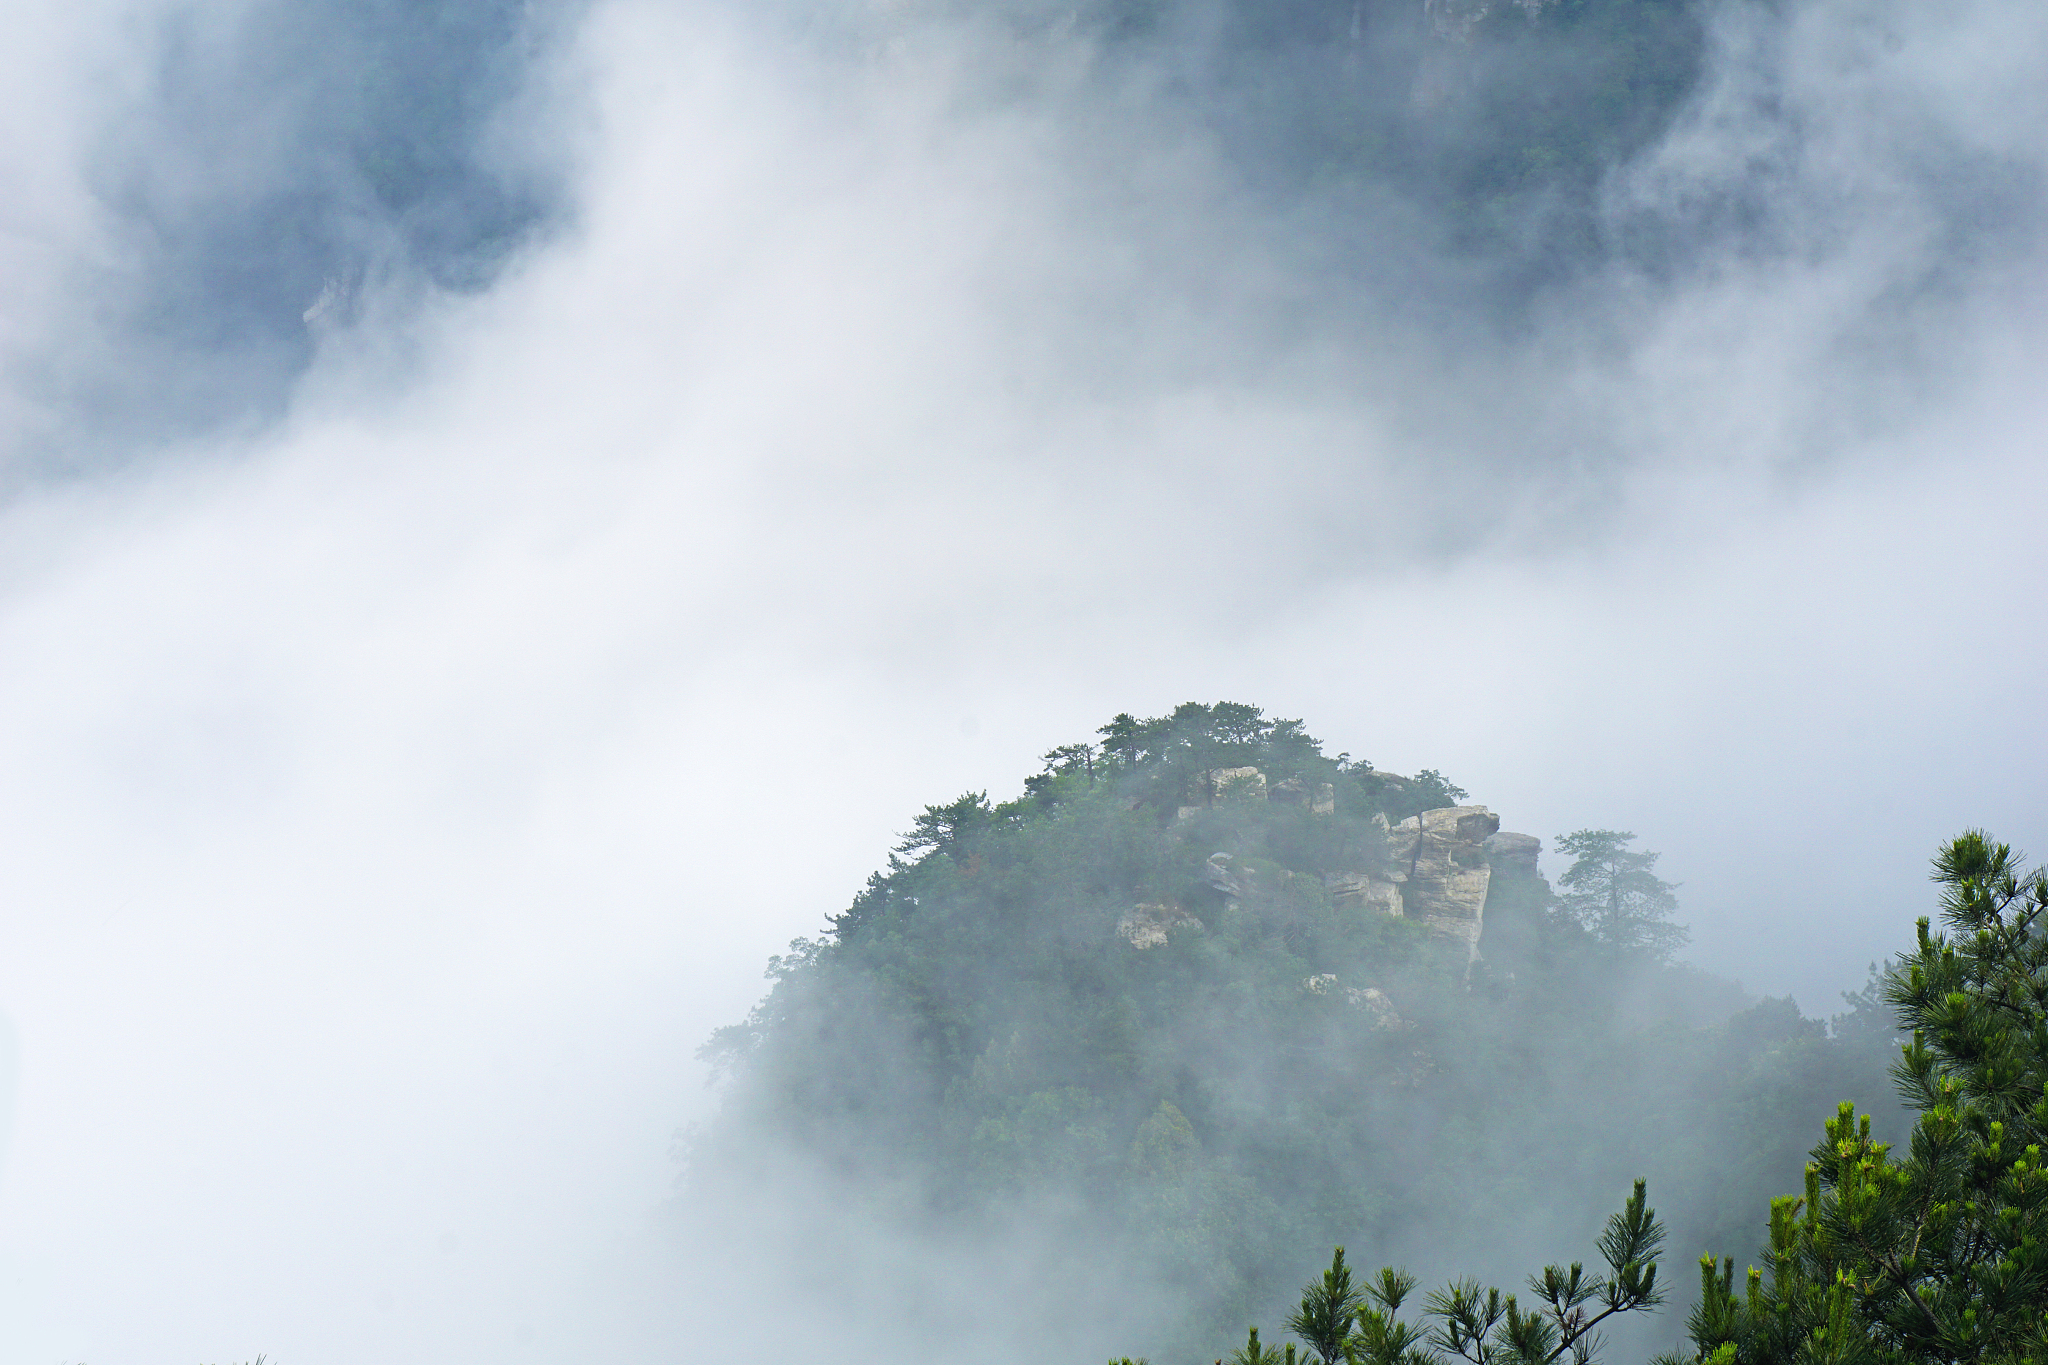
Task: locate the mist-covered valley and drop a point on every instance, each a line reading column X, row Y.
column 510, row 513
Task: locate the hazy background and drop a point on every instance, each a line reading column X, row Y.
column 509, row 510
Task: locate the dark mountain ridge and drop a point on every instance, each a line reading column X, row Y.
column 1204, row 1001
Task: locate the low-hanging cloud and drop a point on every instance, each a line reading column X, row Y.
column 401, row 781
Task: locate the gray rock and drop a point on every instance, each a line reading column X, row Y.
column 1507, row 852
column 1147, row 925
column 1374, row 1001
column 1440, row 859
column 1216, row 872
column 1364, row 891
column 1237, row 784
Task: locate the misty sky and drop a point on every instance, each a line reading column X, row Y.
column 454, row 626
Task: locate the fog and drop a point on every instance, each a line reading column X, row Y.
column 424, row 711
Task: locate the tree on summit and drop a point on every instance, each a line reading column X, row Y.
column 1614, row 893
column 941, row 829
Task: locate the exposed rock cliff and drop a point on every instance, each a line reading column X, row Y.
column 1440, row 863
column 1147, row 925
column 1507, row 852
column 1439, row 859
column 1365, row 891
column 1441, row 867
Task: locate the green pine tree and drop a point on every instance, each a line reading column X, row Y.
column 1614, row 893
column 1938, row 1254
column 1328, row 1308
column 1339, row 1320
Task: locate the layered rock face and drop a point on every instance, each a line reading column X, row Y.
column 1441, row 868
column 1295, row 792
column 1440, row 863
column 1507, row 852
column 1364, row 891
column 1439, row 858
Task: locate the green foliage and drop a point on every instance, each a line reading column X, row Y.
column 1939, row 1253
column 942, row 829
column 1397, row 798
column 1362, row 1326
column 1251, row 1353
column 1147, row 999
column 1327, row 1310
column 1489, row 1329
column 1613, row 893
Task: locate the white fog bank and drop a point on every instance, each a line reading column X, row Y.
column 397, row 794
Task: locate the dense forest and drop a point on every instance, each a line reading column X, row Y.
column 1206, row 1001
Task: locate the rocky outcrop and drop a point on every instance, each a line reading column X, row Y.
column 1441, row 866
column 1513, row 853
column 1364, row 891
column 1440, row 861
column 1221, row 786
column 1374, row 1002
column 1147, row 925
column 1237, row 784
column 1321, row 800
column 1516, row 900
column 1218, row 877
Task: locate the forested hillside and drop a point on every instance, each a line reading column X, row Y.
column 1207, row 1001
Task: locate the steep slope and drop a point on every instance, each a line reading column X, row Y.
column 1203, row 1002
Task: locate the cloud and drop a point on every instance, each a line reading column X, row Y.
column 397, row 788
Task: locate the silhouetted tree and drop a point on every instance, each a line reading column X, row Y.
column 941, row 829
column 1362, row 1326
column 1614, row 893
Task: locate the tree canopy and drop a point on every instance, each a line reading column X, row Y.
column 1613, row 892
column 1937, row 1252
column 1934, row 1255
column 1156, row 998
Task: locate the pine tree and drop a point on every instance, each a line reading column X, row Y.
column 1328, row 1308
column 1362, row 1326
column 1614, row 893
column 1251, row 1353
column 1939, row 1254
column 1486, row 1328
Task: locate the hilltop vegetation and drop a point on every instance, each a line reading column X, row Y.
column 1163, row 994
column 1926, row 1256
